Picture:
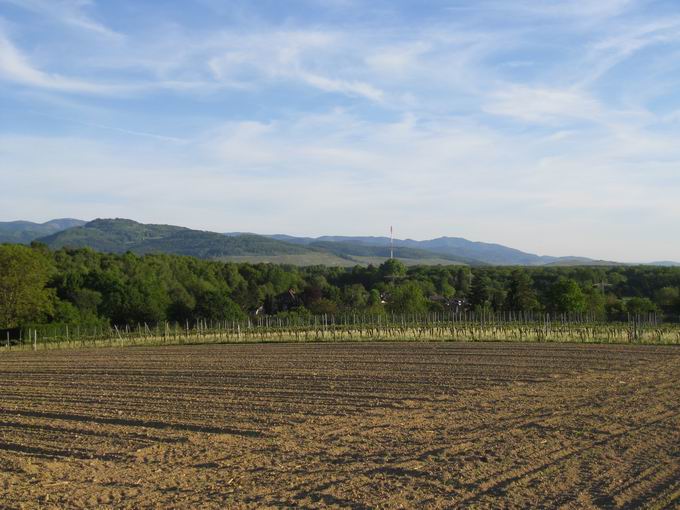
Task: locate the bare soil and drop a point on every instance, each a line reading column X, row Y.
column 382, row 425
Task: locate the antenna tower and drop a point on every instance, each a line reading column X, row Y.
column 391, row 243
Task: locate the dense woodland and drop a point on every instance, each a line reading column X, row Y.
column 81, row 286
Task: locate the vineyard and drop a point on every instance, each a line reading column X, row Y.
column 503, row 327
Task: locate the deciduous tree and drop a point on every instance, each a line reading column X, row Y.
column 23, row 275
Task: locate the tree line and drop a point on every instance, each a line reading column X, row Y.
column 81, row 286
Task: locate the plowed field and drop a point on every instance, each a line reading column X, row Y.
column 385, row 425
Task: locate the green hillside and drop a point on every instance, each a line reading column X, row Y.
column 23, row 232
column 120, row 235
column 355, row 251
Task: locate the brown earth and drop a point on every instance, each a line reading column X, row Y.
column 389, row 425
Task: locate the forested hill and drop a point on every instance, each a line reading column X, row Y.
column 471, row 252
column 121, row 235
column 23, row 232
column 345, row 249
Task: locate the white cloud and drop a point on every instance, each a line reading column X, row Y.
column 342, row 86
column 623, row 43
column 398, row 59
column 543, row 105
column 15, row 67
column 587, row 10
column 303, row 56
column 69, row 12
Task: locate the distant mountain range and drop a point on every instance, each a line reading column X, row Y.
column 665, row 263
column 122, row 235
column 470, row 252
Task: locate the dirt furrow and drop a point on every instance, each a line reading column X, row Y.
column 403, row 425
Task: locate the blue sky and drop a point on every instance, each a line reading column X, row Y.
column 551, row 126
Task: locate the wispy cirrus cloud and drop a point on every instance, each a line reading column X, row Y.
column 582, row 10
column 15, row 67
column 299, row 56
column 69, row 12
column 543, row 105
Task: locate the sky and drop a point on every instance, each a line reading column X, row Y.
column 552, row 126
